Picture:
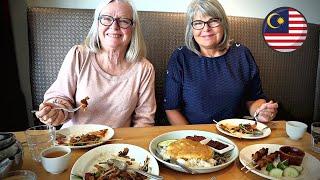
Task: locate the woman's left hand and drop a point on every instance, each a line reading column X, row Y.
column 267, row 111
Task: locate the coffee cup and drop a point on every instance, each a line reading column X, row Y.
column 56, row 159
column 295, row 129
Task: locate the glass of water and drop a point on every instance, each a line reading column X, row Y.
column 315, row 133
column 40, row 138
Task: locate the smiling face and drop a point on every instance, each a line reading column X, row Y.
column 207, row 38
column 113, row 37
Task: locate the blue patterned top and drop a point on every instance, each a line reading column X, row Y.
column 206, row 88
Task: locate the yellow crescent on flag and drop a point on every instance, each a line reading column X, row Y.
column 269, row 22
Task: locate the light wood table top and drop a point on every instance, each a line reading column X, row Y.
column 142, row 136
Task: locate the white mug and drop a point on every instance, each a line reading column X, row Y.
column 295, row 129
column 56, row 159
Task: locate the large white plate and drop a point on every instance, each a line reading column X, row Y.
column 102, row 153
column 77, row 130
column 182, row 134
column 310, row 164
column 236, row 122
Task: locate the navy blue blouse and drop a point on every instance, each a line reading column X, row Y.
column 206, row 88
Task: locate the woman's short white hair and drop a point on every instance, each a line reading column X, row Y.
column 136, row 49
column 209, row 8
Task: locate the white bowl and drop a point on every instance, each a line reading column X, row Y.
column 182, row 134
column 295, row 129
column 56, row 165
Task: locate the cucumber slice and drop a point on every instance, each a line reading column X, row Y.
column 276, row 172
column 291, row 172
column 166, row 143
column 299, row 168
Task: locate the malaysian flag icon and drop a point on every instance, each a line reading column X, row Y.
column 285, row 29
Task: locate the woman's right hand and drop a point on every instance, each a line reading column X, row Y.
column 50, row 116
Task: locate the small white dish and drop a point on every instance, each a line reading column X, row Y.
column 55, row 159
column 295, row 129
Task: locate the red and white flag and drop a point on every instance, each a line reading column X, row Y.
column 285, row 29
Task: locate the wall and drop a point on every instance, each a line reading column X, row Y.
column 246, row 8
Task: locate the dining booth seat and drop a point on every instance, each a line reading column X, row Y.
column 291, row 79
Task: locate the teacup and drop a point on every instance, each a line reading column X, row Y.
column 295, row 129
column 55, row 159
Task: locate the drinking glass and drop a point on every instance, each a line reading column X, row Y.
column 315, row 133
column 39, row 138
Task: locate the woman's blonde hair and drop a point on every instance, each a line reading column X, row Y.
column 136, row 49
column 209, row 8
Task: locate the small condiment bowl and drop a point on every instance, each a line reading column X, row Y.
column 293, row 155
column 56, row 159
column 295, row 129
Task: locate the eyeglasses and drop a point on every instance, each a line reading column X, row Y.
column 107, row 20
column 198, row 24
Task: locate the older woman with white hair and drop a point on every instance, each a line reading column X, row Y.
column 111, row 69
column 212, row 78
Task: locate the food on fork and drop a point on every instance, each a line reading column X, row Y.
column 84, row 103
column 84, row 139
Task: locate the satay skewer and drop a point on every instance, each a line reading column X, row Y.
column 264, row 161
column 257, row 156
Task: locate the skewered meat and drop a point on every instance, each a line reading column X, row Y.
column 259, row 154
column 266, row 159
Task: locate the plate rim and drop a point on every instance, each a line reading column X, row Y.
column 110, row 130
column 222, row 166
column 267, row 145
column 108, row 146
column 267, row 132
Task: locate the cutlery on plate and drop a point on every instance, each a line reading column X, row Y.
column 186, row 168
column 124, row 166
column 174, row 161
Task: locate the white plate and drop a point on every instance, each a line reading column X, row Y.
column 182, row 134
column 102, row 153
column 236, row 122
column 77, row 130
column 310, row 164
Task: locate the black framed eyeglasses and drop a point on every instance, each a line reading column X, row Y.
column 198, row 24
column 123, row 23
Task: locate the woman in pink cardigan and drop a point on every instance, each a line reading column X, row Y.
column 111, row 69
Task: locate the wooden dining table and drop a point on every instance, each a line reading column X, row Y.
column 143, row 136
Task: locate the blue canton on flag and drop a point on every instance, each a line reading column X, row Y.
column 285, row 29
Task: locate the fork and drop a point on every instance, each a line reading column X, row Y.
column 174, row 161
column 65, row 109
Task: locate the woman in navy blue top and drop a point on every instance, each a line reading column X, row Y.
column 212, row 78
